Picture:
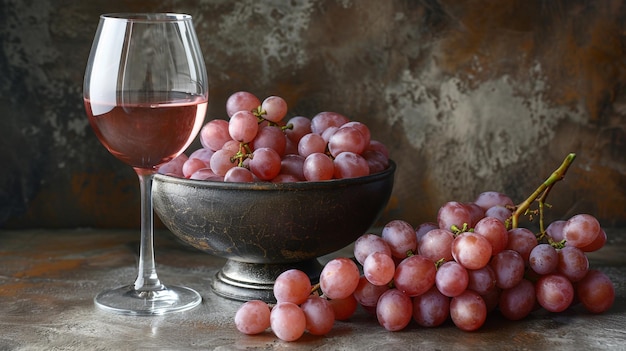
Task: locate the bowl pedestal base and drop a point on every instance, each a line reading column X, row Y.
column 246, row 281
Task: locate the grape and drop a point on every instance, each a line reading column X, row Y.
column 233, row 145
column 554, row 292
column 361, row 127
column 521, row 240
column 367, row 294
column 317, row 167
column 543, row 259
column 451, row 279
column 471, row 250
column 275, row 108
column 192, row 165
column 319, row 315
column 285, row 178
column 379, row 268
column 206, row 174
column 572, row 263
column 203, row 154
column 292, row 285
column 597, row 243
column 595, row 291
column 241, row 101
column 350, row 165
column 311, row 143
column 174, row 167
column 482, row 280
column 468, row 311
column 299, row 127
column 328, row 133
column 453, row 214
column 339, row 278
column 347, row 139
column 344, row 308
column 415, row 275
column 580, row 230
column 508, row 265
column 436, row 244
column 489, row 199
column 517, row 302
column 431, row 308
column 326, row 119
column 400, row 236
column 253, row 317
column 376, row 145
column 492, row 298
column 222, row 161
column 367, row 244
column 500, row 212
column 293, row 165
column 214, row 134
column 494, row 231
column 394, row 310
column 422, row 229
column 287, row 321
column 271, row 137
column 243, row 126
column 265, row 163
column 239, row 175
column 376, row 161
column 555, row 230
column 476, row 213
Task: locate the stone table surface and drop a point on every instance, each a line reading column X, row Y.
column 48, row 279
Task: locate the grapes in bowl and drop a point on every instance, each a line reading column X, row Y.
column 265, row 228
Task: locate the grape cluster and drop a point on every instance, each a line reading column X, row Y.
column 461, row 268
column 257, row 143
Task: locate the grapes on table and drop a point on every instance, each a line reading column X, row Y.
column 328, row 146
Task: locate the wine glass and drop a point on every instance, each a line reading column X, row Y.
column 146, row 93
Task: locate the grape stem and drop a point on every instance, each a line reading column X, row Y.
column 541, row 194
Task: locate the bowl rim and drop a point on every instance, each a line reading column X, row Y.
column 301, row 185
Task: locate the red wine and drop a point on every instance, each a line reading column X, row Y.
column 146, row 135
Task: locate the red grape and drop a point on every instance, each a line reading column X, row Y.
column 214, row 134
column 241, row 101
column 394, row 310
column 431, row 308
column 275, row 108
column 339, row 278
column 350, row 165
column 287, row 321
column 595, row 291
column 453, row 214
column 400, row 236
column 415, row 275
column 517, row 302
column 292, row 285
column 468, row 311
column 367, row 244
column 581, row 230
column 379, row 268
column 253, row 317
column 319, row 314
column 451, row 279
column 554, row 292
column 243, row 126
column 471, row 250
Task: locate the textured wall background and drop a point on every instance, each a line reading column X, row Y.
column 469, row 96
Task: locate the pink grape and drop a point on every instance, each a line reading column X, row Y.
column 285, row 178
column 367, row 244
column 265, row 163
column 471, row 250
column 376, row 161
column 203, row 154
column 344, row 308
column 299, row 127
column 293, row 165
column 595, row 292
column 241, row 101
column 311, row 143
column 271, row 137
column 328, row 133
column 233, row 145
column 517, row 302
column 394, row 310
column 431, row 308
column 492, row 298
column 494, row 231
column 508, row 265
column 319, row 314
column 206, row 174
column 597, row 243
column 317, row 167
column 489, row 199
column 379, row 268
column 339, row 278
column 415, row 275
column 482, row 280
column 436, row 244
column 253, row 317
column 500, row 212
column 581, row 230
column 323, row 120
column 350, row 165
column 174, row 167
column 555, row 230
column 239, row 175
column 275, row 108
column 214, row 134
column 572, row 263
column 400, row 236
column 543, row 259
column 424, row 228
column 361, row 127
column 367, row 294
column 452, row 214
column 554, row 292
column 192, row 165
column 347, row 139
column 287, row 321
column 521, row 240
column 476, row 213
column 292, row 285
column 376, row 145
column 221, row 161
column 243, row 126
column 451, row 279
column 468, row 311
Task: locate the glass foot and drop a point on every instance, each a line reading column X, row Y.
column 126, row 300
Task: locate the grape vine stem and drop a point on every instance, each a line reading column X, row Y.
column 541, row 194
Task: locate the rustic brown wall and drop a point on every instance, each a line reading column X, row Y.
column 469, row 95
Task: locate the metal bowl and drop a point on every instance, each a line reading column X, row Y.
column 263, row 229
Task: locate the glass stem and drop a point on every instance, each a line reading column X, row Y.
column 147, row 279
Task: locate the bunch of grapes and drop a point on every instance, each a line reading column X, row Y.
column 257, row 144
column 473, row 260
